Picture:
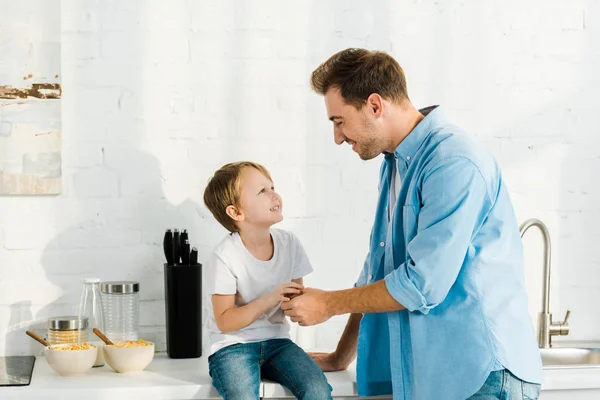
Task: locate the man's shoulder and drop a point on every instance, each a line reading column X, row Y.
column 448, row 147
column 450, row 143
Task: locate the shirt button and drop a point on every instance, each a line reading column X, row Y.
column 370, row 277
column 408, row 157
column 382, row 244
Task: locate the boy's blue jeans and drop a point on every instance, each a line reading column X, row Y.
column 504, row 385
column 236, row 370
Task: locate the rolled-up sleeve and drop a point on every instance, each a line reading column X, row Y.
column 454, row 204
column 362, row 278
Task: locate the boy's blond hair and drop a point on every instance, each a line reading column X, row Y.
column 223, row 190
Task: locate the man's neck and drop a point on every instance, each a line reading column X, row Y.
column 405, row 118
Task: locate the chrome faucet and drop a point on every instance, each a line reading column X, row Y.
column 546, row 327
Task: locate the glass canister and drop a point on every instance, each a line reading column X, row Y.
column 121, row 303
column 90, row 306
column 67, row 329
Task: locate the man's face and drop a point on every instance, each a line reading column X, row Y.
column 358, row 128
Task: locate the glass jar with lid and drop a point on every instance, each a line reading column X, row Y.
column 67, row 329
column 90, row 305
column 121, row 304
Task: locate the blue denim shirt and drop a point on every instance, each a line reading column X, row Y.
column 452, row 255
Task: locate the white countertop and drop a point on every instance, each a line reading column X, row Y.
column 164, row 378
column 167, row 378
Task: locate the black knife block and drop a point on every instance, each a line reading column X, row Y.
column 183, row 309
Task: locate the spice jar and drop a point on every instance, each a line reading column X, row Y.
column 67, row 329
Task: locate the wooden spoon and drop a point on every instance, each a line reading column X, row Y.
column 101, row 336
column 39, row 339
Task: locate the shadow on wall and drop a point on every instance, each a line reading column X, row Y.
column 118, row 238
column 119, row 210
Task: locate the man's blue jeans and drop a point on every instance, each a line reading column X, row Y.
column 504, row 385
column 236, row 370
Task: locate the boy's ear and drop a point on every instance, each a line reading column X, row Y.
column 234, row 213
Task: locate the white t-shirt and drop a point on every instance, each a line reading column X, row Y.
column 231, row 269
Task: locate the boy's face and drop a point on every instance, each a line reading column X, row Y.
column 259, row 203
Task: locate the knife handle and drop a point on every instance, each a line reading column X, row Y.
column 183, row 236
column 176, row 247
column 185, row 253
column 168, row 246
column 194, row 256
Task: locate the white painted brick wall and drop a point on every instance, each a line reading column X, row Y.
column 157, row 95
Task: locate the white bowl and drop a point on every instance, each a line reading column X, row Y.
column 128, row 359
column 70, row 362
column 100, row 357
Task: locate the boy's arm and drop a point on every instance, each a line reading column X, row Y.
column 230, row 318
column 299, row 281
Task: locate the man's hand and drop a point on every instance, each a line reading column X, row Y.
column 310, row 308
column 328, row 362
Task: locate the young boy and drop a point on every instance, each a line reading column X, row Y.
column 250, row 273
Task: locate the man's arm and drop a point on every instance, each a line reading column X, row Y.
column 373, row 298
column 315, row 306
column 345, row 352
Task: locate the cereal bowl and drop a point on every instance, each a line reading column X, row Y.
column 71, row 359
column 130, row 356
column 100, row 357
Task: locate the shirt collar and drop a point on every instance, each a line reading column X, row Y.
column 411, row 143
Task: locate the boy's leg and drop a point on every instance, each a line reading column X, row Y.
column 289, row 365
column 235, row 371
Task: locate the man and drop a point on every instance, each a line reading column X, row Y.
column 439, row 311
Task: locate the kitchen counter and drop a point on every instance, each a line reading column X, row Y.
column 166, row 378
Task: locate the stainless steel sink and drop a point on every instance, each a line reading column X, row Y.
column 570, row 357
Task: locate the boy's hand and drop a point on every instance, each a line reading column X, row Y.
column 284, row 292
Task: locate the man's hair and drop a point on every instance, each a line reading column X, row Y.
column 358, row 73
column 223, row 190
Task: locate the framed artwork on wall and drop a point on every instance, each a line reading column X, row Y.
column 30, row 98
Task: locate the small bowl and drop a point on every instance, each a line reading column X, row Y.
column 128, row 359
column 100, row 357
column 70, row 362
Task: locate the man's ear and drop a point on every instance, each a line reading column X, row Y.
column 375, row 104
column 234, row 213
